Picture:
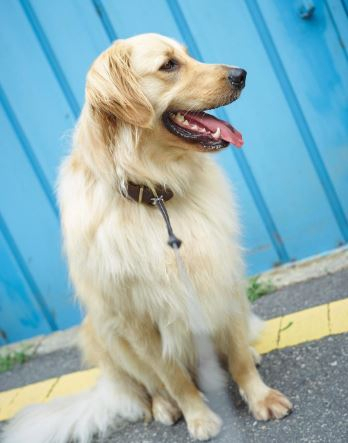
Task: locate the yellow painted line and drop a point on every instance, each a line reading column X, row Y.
column 299, row 327
column 303, row 326
column 269, row 337
column 6, row 398
column 27, row 395
column 280, row 332
column 338, row 316
column 73, row 383
column 14, row 400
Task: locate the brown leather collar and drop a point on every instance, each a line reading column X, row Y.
column 143, row 194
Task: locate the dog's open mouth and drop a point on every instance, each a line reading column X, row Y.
column 200, row 127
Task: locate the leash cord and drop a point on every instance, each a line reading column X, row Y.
column 173, row 241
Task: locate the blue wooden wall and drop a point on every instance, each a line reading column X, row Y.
column 291, row 177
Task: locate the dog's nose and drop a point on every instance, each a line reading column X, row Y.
column 237, row 76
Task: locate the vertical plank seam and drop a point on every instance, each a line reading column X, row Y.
column 345, row 6
column 297, row 113
column 335, row 16
column 28, row 151
column 106, row 22
column 27, row 275
column 50, row 56
column 241, row 159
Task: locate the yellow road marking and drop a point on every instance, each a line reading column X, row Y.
column 6, row 398
column 280, row 332
column 269, row 337
column 307, row 325
column 338, row 316
column 74, row 383
column 303, row 326
column 27, row 395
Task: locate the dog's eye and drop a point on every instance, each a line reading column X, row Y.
column 170, row 65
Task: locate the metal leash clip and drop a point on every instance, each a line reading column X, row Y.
column 173, row 241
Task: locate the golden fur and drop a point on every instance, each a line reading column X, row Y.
column 137, row 328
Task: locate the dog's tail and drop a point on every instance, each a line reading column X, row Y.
column 76, row 418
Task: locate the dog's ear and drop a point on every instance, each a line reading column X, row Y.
column 114, row 91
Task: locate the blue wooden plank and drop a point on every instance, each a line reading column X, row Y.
column 317, row 69
column 50, row 55
column 274, row 146
column 104, row 17
column 40, row 300
column 300, row 119
column 259, row 251
column 34, row 229
column 82, row 40
column 32, row 89
column 137, row 17
column 29, row 151
column 20, row 316
column 156, row 17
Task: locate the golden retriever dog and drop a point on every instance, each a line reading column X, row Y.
column 143, row 131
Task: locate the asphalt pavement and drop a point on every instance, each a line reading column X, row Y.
column 314, row 376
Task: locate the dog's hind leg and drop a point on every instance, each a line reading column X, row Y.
column 145, row 343
column 164, row 408
column 114, row 366
column 202, row 423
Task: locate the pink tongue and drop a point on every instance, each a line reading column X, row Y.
column 228, row 132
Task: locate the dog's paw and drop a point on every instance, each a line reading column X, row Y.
column 273, row 405
column 204, row 426
column 134, row 409
column 165, row 411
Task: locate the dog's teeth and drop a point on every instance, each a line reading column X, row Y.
column 194, row 127
column 186, row 123
column 203, row 130
column 217, row 133
column 180, row 117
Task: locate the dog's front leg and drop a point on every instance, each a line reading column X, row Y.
column 264, row 402
column 201, row 421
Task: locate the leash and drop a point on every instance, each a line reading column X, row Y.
column 173, row 241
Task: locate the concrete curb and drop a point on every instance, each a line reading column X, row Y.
column 303, row 270
column 45, row 344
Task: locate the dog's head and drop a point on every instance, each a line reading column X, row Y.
column 150, row 82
